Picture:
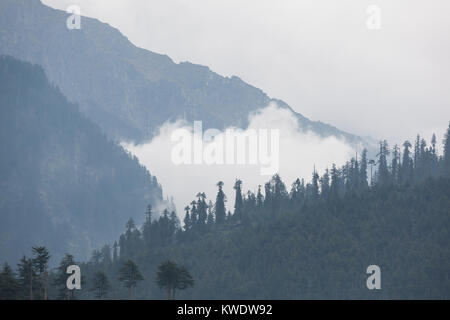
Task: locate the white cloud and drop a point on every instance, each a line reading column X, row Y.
column 299, row 152
column 317, row 55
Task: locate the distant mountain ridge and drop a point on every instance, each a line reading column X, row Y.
column 63, row 183
column 128, row 91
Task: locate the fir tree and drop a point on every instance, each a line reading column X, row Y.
column 40, row 262
column 100, row 285
column 219, row 207
column 130, row 276
column 9, row 286
column 238, row 203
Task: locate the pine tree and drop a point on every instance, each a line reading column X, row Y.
column 363, row 169
column 100, row 285
column 259, row 198
column 146, row 228
column 210, row 219
column 130, row 276
column 406, row 168
column 202, row 209
column 187, row 219
column 184, row 280
column 194, row 214
column 219, row 207
column 238, row 203
column 395, row 165
column 170, row 277
column 434, row 157
column 9, row 286
column 315, row 185
column 383, row 171
column 325, row 184
column 267, row 194
column 26, row 277
column 40, row 261
column 149, row 213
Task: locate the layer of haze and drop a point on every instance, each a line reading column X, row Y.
column 317, row 55
column 299, row 152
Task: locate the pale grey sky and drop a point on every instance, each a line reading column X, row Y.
column 317, row 55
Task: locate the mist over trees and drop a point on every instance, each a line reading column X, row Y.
column 312, row 240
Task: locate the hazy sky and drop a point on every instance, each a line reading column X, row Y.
column 317, row 55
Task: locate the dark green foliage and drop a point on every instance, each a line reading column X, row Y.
column 238, row 205
column 317, row 241
column 27, row 278
column 220, row 204
column 171, row 277
column 40, row 263
column 63, row 183
column 100, row 285
column 9, row 286
column 129, row 276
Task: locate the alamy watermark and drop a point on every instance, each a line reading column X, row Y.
column 232, row 147
column 74, row 20
column 374, row 280
column 74, row 280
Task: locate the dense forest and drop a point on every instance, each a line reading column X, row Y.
column 312, row 241
column 63, row 183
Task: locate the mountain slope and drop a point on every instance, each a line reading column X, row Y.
column 63, row 184
column 128, row 91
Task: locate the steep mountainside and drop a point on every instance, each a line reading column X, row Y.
column 128, row 91
column 63, row 184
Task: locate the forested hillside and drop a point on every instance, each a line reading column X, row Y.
column 63, row 184
column 314, row 241
column 128, row 91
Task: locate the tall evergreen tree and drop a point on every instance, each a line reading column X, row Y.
column 187, row 219
column 171, row 277
column 146, row 228
column 202, row 209
column 315, row 184
column 219, row 208
column 325, row 184
column 406, row 168
column 210, row 219
column 9, row 286
column 383, row 171
column 238, row 200
column 259, row 198
column 194, row 214
column 130, row 276
column 395, row 165
column 40, row 261
column 100, row 285
column 27, row 277
column 363, row 169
